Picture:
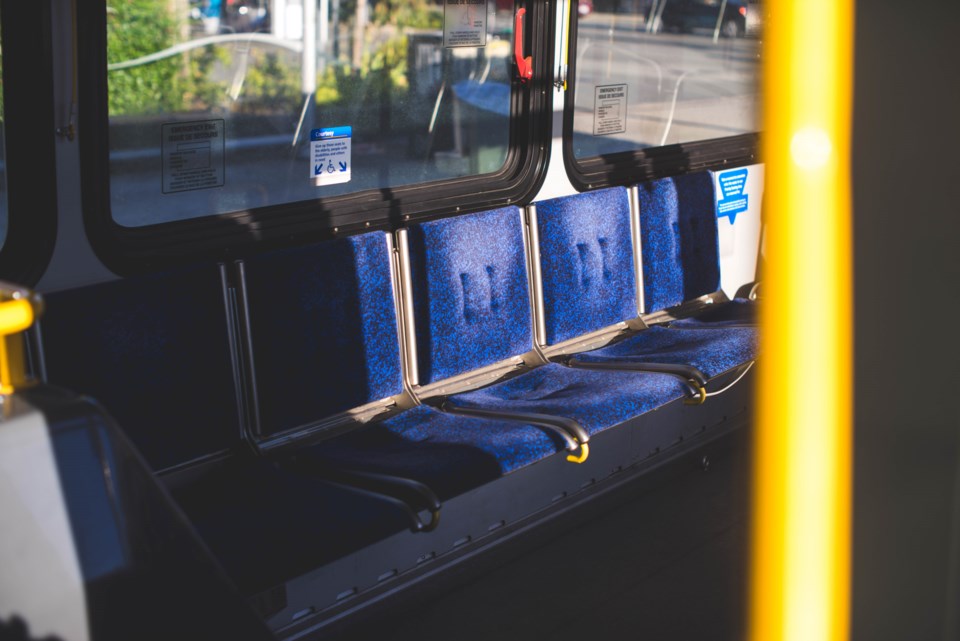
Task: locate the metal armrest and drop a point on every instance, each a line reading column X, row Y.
column 574, row 436
column 692, row 377
column 750, row 291
column 409, row 495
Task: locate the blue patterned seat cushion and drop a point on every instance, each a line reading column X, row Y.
column 323, row 329
column 586, row 258
column 679, row 241
column 711, row 352
column 470, row 294
column 598, row 400
column 738, row 312
column 147, row 347
column 451, row 454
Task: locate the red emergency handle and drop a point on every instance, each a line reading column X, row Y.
column 524, row 64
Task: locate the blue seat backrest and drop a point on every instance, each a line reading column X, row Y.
column 586, row 259
column 323, row 329
column 679, row 242
column 155, row 352
column 470, row 296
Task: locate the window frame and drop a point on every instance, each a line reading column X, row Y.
column 30, row 145
column 129, row 250
column 630, row 167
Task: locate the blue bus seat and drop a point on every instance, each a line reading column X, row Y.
column 597, row 400
column 335, row 305
column 450, row 454
column 322, row 331
column 588, row 283
column 737, row 312
column 680, row 250
column 471, row 310
column 155, row 352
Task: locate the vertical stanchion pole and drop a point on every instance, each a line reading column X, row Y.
column 800, row 575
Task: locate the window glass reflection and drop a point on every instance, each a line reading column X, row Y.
column 659, row 72
column 226, row 105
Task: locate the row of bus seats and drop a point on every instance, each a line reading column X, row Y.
column 307, row 404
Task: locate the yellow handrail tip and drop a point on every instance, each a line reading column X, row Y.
column 580, row 458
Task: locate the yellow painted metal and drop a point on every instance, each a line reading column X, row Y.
column 699, row 399
column 800, row 574
column 580, row 458
column 13, row 363
column 18, row 309
column 565, row 48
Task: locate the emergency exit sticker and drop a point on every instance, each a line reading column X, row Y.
column 193, row 155
column 732, row 199
column 465, row 23
column 330, row 155
column 610, row 110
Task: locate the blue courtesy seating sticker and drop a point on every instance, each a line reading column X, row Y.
column 330, row 155
column 732, row 199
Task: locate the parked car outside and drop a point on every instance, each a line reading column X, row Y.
column 687, row 16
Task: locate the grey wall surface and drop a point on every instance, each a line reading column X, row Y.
column 906, row 177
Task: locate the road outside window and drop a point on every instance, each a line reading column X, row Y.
column 659, row 72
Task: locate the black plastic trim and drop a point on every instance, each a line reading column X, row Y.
column 237, row 234
column 29, row 125
column 631, row 167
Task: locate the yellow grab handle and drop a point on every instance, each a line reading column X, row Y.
column 580, row 458
column 15, row 316
column 19, row 307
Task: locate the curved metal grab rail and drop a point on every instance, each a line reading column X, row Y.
column 574, row 436
column 184, row 47
column 410, row 495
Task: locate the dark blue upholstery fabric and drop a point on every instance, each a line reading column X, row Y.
column 451, row 454
column 678, row 231
column 154, row 351
column 710, row 352
column 586, row 258
column 267, row 525
column 735, row 313
column 324, row 329
column 596, row 399
column 470, row 294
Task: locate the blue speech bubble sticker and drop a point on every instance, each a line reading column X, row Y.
column 732, row 199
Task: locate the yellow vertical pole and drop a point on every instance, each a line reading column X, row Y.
column 800, row 573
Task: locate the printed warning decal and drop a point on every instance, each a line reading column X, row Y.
column 192, row 155
column 610, row 110
column 464, row 23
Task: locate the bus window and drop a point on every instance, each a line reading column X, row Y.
column 219, row 107
column 650, row 73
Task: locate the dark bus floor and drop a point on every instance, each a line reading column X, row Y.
column 662, row 557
